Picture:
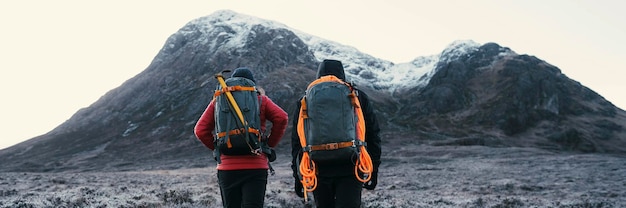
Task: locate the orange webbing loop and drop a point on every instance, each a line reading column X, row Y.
column 307, row 166
column 364, row 162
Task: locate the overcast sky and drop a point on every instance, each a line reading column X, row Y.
column 59, row 56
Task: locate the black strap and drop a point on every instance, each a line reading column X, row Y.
column 272, row 172
column 217, row 155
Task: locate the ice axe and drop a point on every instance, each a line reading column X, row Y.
column 220, row 78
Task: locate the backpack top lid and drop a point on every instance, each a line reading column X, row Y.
column 331, row 67
column 244, row 72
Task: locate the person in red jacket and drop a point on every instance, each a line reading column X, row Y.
column 243, row 178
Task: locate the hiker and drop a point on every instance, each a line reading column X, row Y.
column 336, row 184
column 242, row 178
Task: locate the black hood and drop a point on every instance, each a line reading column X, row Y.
column 244, row 72
column 331, row 67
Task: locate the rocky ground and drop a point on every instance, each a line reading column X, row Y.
column 411, row 176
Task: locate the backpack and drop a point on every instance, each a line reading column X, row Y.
column 331, row 129
column 237, row 120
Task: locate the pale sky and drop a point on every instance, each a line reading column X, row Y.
column 59, row 56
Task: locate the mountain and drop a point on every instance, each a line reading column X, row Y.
column 489, row 95
column 470, row 94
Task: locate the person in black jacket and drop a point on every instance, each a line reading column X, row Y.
column 337, row 185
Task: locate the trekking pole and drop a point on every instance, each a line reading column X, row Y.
column 220, row 77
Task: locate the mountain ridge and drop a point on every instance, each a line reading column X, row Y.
column 473, row 95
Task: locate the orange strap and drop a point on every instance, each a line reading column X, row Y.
column 303, row 109
column 300, row 127
column 238, row 131
column 307, row 166
column 327, row 78
column 233, row 88
column 364, row 163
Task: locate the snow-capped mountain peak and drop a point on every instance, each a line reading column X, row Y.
column 233, row 30
column 227, row 28
column 457, row 49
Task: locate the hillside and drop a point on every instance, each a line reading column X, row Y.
column 470, row 94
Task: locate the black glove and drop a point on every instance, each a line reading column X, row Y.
column 298, row 188
column 371, row 184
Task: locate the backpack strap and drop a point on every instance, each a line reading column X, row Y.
column 232, row 89
column 327, row 78
column 331, row 146
column 238, row 131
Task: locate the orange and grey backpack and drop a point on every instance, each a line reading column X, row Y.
column 331, row 129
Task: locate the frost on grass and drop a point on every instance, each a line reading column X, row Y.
column 424, row 177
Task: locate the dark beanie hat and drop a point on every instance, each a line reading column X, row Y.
column 331, row 67
column 244, row 72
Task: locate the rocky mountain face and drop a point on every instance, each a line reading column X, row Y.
column 492, row 96
column 470, row 94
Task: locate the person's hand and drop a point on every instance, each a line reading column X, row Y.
column 298, row 188
column 371, row 184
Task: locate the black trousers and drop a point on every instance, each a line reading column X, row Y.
column 338, row 192
column 242, row 188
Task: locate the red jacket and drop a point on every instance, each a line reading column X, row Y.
column 269, row 111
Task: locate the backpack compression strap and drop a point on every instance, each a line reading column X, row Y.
column 332, row 146
column 236, row 131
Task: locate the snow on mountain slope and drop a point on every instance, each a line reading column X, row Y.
column 233, row 29
column 364, row 69
column 226, row 29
